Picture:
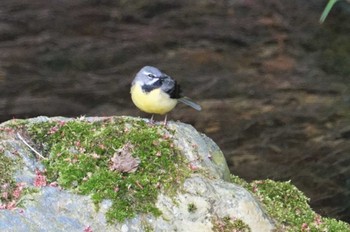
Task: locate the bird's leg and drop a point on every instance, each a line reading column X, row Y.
column 165, row 120
column 151, row 119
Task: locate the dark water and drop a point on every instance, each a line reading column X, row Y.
column 273, row 83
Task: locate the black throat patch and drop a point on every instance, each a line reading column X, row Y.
column 171, row 88
column 149, row 88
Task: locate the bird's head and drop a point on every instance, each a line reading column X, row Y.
column 149, row 75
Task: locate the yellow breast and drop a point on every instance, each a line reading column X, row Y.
column 154, row 102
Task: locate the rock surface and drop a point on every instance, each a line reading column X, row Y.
column 213, row 198
column 54, row 209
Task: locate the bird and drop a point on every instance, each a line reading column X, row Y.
column 154, row 92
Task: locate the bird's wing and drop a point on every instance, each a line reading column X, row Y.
column 170, row 86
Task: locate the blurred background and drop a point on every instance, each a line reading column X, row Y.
column 274, row 84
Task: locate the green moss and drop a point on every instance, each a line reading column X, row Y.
column 289, row 206
column 7, row 183
column 191, row 208
column 10, row 191
column 79, row 158
column 228, row 224
column 147, row 227
column 286, row 202
column 239, row 181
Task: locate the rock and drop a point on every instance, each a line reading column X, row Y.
column 204, row 198
column 212, row 198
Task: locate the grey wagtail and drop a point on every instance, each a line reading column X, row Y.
column 154, row 92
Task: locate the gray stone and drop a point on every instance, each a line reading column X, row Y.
column 212, row 197
column 53, row 209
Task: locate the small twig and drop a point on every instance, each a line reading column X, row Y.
column 30, row 147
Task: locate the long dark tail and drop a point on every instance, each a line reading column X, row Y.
column 189, row 102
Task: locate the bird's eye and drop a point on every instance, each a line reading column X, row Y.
column 150, row 75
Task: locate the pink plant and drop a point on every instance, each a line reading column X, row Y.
column 305, row 227
column 318, row 220
column 88, row 229
column 18, row 190
column 53, row 130
column 11, row 205
column 53, row 184
column 40, row 179
column 193, row 167
column 10, row 196
column 5, row 195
